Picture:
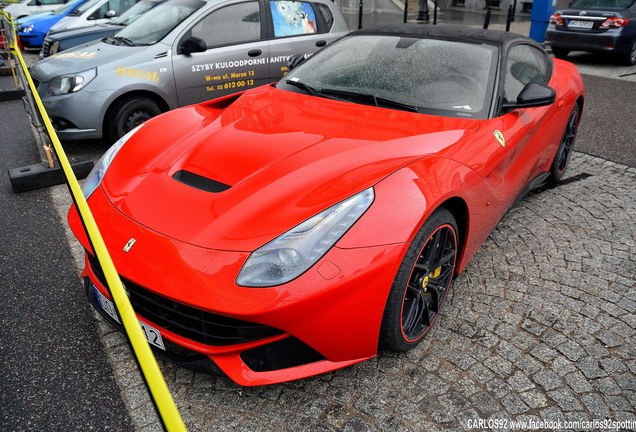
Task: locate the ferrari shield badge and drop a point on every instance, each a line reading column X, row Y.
column 500, row 137
column 129, row 245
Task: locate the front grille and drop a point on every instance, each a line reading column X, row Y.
column 186, row 321
column 45, row 48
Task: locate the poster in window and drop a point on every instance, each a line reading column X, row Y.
column 292, row 18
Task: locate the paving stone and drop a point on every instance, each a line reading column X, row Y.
column 547, row 379
column 565, row 400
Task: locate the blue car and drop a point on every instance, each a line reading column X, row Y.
column 31, row 30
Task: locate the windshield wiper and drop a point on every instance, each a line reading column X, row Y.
column 377, row 101
column 301, row 85
column 124, row 40
column 348, row 96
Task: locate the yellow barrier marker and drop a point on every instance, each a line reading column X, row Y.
column 160, row 393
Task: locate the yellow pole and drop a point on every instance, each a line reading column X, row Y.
column 159, row 391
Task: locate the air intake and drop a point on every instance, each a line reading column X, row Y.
column 199, row 182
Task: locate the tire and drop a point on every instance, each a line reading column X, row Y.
column 128, row 114
column 560, row 53
column 566, row 146
column 629, row 58
column 421, row 284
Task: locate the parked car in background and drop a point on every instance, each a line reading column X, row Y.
column 31, row 30
column 32, row 7
column 92, row 13
column 595, row 26
column 302, row 227
column 179, row 53
column 65, row 39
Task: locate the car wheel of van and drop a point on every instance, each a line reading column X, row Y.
column 421, row 284
column 566, row 146
column 630, row 56
column 128, row 114
column 560, row 53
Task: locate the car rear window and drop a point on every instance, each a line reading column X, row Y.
column 602, row 4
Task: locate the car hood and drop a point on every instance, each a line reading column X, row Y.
column 83, row 57
column 268, row 160
column 106, row 29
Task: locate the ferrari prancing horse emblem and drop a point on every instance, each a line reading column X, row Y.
column 129, row 245
column 500, row 137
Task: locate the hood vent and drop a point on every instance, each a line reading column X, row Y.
column 199, row 182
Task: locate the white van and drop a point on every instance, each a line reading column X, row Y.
column 91, row 13
column 32, row 7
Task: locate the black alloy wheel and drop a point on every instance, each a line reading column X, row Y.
column 566, row 146
column 422, row 283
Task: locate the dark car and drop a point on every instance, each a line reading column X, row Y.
column 65, row 39
column 595, row 26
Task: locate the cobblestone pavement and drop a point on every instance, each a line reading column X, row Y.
column 541, row 326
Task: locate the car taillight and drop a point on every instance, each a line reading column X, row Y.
column 556, row 19
column 614, row 22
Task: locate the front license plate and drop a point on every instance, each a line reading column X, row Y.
column 153, row 336
column 581, row 24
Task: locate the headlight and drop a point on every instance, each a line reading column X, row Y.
column 96, row 175
column 27, row 29
column 71, row 83
column 54, row 47
column 294, row 252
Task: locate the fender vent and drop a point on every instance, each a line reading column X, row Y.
column 199, row 182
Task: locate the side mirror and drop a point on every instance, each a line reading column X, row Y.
column 532, row 95
column 110, row 14
column 296, row 61
column 192, row 45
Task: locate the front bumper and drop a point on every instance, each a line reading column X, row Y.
column 31, row 40
column 327, row 319
column 75, row 116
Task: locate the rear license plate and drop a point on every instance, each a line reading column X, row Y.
column 153, row 336
column 581, row 24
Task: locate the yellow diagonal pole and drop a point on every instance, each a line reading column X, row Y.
column 168, row 412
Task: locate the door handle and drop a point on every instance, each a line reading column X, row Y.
column 254, row 53
column 321, row 43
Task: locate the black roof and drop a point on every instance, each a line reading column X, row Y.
column 449, row 32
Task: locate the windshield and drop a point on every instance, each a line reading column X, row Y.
column 135, row 12
column 155, row 24
column 64, row 8
column 423, row 75
column 602, row 4
column 83, row 7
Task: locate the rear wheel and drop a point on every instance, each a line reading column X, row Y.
column 560, row 52
column 128, row 114
column 629, row 58
column 566, row 146
column 422, row 283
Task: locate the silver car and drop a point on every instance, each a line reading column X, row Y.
column 179, row 53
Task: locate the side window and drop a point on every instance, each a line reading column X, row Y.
column 293, row 18
column 232, row 24
column 525, row 64
column 326, row 16
column 116, row 5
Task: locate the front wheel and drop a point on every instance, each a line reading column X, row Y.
column 566, row 146
column 128, row 114
column 421, row 284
